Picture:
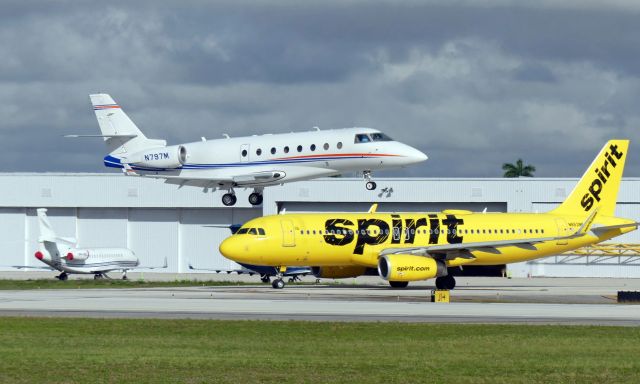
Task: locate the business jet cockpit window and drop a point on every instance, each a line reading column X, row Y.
column 379, row 136
column 362, row 138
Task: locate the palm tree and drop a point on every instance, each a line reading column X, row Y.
column 518, row 169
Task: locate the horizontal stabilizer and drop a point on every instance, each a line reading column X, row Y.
column 101, row 136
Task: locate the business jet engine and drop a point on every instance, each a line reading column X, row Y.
column 164, row 157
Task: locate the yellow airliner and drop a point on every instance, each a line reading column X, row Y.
column 406, row 247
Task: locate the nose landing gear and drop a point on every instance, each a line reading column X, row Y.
column 370, row 185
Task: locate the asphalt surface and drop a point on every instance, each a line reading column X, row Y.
column 475, row 300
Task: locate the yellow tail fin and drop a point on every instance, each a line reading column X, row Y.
column 598, row 187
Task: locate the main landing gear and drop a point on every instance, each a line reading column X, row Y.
column 445, row 282
column 370, row 185
column 229, row 199
column 124, row 275
column 62, row 276
column 98, row 276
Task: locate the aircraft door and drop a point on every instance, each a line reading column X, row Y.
column 288, row 234
column 562, row 231
column 245, row 153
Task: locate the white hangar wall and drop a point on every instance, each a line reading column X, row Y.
column 186, row 224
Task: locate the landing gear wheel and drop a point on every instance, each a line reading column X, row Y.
column 97, row 276
column 371, row 185
column 63, row 277
column 255, row 198
column 446, row 282
column 277, row 284
column 399, row 284
column 229, row 199
column 124, row 275
column 265, row 278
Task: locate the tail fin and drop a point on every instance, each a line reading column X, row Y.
column 598, row 187
column 46, row 230
column 120, row 134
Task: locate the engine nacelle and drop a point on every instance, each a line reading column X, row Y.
column 410, row 268
column 338, row 272
column 162, row 157
column 77, row 254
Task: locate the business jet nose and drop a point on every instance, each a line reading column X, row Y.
column 415, row 156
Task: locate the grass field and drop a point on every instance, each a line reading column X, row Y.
column 111, row 283
column 196, row 351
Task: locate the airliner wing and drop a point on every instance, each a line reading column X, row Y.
column 463, row 250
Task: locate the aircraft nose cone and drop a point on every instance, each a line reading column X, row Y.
column 416, row 156
column 230, row 248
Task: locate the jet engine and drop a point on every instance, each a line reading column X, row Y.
column 341, row 272
column 162, row 157
column 410, row 268
column 77, row 254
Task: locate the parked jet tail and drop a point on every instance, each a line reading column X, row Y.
column 598, row 187
column 120, row 134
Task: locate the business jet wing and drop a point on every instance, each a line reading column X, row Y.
column 246, row 176
column 44, row 268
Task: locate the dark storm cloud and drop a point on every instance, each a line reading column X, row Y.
column 472, row 85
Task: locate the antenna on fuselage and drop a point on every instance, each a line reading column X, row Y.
column 316, row 128
column 226, row 136
column 203, row 138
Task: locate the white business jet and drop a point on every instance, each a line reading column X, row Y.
column 247, row 162
column 62, row 254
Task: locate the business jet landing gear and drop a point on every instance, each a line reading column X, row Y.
column 63, row 276
column 445, row 282
column 124, row 275
column 229, row 199
column 370, row 185
column 255, row 198
column 98, row 276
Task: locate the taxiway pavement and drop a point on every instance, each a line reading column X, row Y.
column 547, row 301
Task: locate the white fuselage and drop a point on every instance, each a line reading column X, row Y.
column 272, row 159
column 87, row 260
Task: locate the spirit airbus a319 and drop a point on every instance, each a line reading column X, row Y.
column 247, row 162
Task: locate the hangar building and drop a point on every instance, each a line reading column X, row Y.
column 187, row 224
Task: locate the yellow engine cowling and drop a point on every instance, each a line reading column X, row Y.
column 410, row 268
column 339, row 272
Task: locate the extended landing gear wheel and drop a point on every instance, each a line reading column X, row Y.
column 371, row 185
column 277, row 284
column 229, row 199
column 63, row 277
column 446, row 282
column 255, row 198
column 98, row 276
column 399, row 284
column 265, row 278
column 124, row 275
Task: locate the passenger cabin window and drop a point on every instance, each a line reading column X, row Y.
column 325, row 146
column 244, row 153
column 286, row 149
column 273, row 150
column 339, row 145
column 299, row 148
column 362, row 138
column 258, row 151
column 380, row 137
column 313, row 147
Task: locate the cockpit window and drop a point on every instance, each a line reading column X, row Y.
column 380, row 137
column 251, row 231
column 362, row 138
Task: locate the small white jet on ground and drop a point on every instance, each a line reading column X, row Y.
column 247, row 162
column 63, row 255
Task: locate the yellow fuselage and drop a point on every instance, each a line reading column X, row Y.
column 344, row 239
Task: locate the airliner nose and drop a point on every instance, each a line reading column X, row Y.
column 231, row 248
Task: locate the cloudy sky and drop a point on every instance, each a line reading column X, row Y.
column 471, row 85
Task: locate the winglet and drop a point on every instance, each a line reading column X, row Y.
column 374, row 208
